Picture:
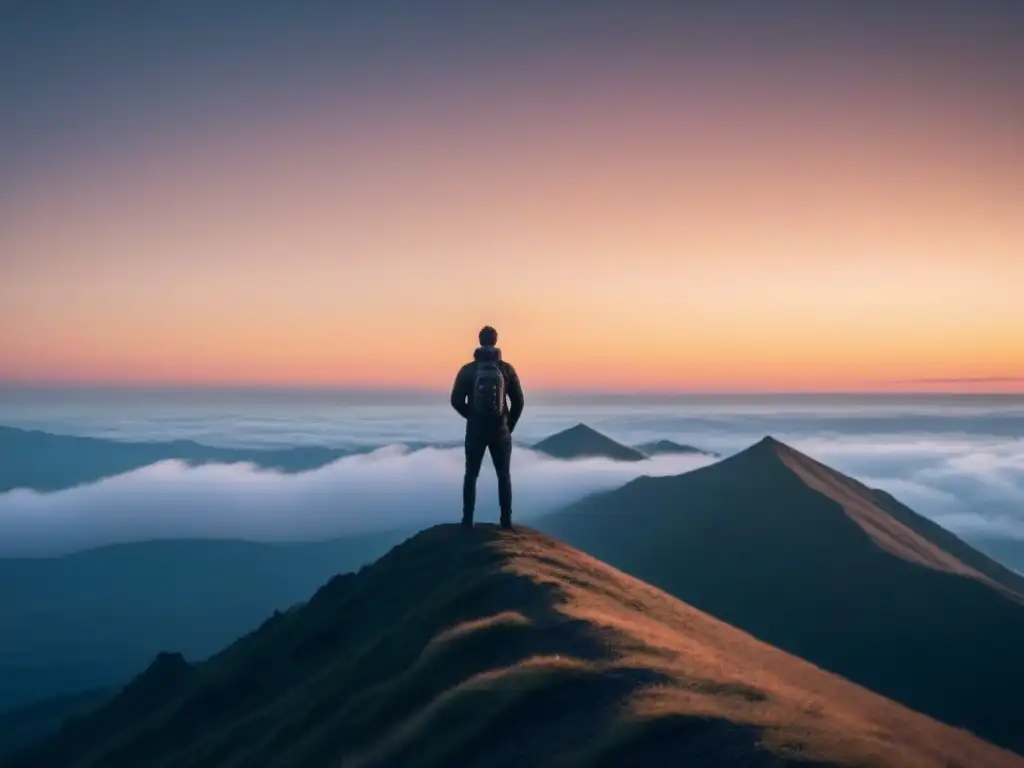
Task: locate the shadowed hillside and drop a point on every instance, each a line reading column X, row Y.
column 818, row 564
column 94, row 618
column 490, row 648
column 582, row 442
column 22, row 727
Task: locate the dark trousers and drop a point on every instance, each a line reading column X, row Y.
column 499, row 443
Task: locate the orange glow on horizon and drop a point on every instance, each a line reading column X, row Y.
column 621, row 240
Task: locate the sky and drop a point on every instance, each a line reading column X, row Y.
column 646, row 196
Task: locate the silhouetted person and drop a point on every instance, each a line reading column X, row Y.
column 479, row 395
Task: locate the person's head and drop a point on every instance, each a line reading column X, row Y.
column 488, row 337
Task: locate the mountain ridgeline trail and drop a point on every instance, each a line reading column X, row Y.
column 500, row 648
column 821, row 566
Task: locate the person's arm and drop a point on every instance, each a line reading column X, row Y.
column 514, row 390
column 460, row 395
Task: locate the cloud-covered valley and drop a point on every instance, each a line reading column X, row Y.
column 388, row 488
column 971, row 485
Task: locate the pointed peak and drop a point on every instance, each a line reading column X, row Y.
column 166, row 664
column 168, row 674
column 581, row 428
column 770, row 446
column 770, row 454
column 582, row 441
column 766, row 446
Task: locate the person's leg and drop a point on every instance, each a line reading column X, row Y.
column 475, row 447
column 501, row 454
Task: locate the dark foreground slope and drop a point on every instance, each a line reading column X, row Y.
column 487, row 648
column 582, row 442
column 819, row 565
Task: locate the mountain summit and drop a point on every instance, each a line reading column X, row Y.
column 582, row 442
column 891, row 525
column 492, row 648
column 820, row 565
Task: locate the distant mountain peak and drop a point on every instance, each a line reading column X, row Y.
column 582, row 441
column 814, row 561
column 771, row 455
column 904, row 534
column 768, row 445
column 582, row 430
column 669, row 447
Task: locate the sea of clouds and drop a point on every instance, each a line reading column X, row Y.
column 963, row 467
column 971, row 487
column 390, row 488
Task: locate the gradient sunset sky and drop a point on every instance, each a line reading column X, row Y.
column 638, row 195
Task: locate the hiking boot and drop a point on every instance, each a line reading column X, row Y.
column 467, row 522
column 506, row 522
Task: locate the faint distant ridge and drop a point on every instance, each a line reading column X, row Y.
column 42, row 461
column 583, row 442
column 47, row 462
column 670, row 448
column 499, row 648
column 820, row 565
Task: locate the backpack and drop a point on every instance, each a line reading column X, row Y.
column 489, row 391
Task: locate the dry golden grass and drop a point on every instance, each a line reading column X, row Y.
column 817, row 564
column 718, row 671
column 890, row 534
column 495, row 649
column 459, row 631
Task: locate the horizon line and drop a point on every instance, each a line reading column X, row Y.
column 384, row 390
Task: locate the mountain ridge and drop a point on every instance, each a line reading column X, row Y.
column 495, row 648
column 818, row 564
column 90, row 619
column 44, row 461
column 905, row 534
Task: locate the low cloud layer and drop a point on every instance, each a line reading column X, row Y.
column 392, row 487
column 973, row 486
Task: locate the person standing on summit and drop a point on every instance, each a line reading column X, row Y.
column 479, row 395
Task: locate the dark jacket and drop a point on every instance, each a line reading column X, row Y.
column 462, row 392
